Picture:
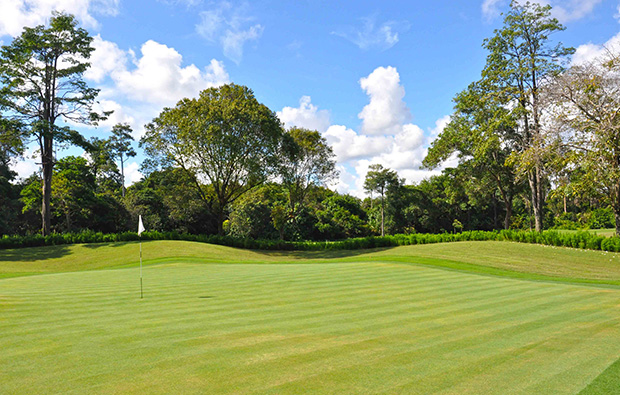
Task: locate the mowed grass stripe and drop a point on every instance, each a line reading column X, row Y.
column 366, row 326
column 235, row 309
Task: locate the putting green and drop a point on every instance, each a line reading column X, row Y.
column 367, row 325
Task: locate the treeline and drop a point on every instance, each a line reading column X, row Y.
column 538, row 146
column 86, row 197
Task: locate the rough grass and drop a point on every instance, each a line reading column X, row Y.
column 220, row 320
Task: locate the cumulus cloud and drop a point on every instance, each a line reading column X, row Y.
column 16, row 14
column 563, row 10
column 386, row 111
column 136, row 87
column 132, row 173
column 588, row 52
column 26, row 165
column 229, row 26
column 105, row 59
column 307, row 115
column 372, row 35
column 157, row 76
column 348, row 144
column 119, row 114
column 385, row 137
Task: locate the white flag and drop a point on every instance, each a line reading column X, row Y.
column 140, row 225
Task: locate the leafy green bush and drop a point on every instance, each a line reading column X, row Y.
column 583, row 240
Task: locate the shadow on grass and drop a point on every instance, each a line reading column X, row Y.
column 30, row 254
column 93, row 246
column 323, row 254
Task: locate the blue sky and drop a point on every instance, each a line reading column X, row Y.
column 376, row 78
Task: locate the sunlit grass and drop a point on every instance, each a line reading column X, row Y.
column 220, row 320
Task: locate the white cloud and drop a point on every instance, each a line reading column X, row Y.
column 132, row 173
column 159, row 76
column 136, row 90
column 563, row 10
column 119, row 114
column 385, row 139
column 490, row 8
column 348, row 145
column 440, row 124
column 16, row 14
column 567, row 11
column 373, row 36
column 386, row 111
column 26, row 165
column 307, row 115
column 105, row 59
column 588, row 52
column 229, row 26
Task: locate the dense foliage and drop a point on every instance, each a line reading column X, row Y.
column 538, row 147
column 581, row 240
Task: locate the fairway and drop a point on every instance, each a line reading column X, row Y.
column 389, row 321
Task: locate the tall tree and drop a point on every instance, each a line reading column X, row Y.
column 587, row 104
column 521, row 59
column 379, row 180
column 225, row 136
column 482, row 133
column 120, row 147
column 41, row 83
column 307, row 161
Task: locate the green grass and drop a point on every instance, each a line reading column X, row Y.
column 601, row 232
column 453, row 318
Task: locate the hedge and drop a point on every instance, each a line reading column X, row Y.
column 583, row 240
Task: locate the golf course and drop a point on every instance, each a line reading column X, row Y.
column 467, row 317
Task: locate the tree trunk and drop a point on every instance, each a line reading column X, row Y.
column 47, row 164
column 565, row 211
column 382, row 217
column 122, row 176
column 536, row 190
column 508, row 204
column 220, row 221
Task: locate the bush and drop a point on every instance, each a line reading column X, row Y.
column 584, row 240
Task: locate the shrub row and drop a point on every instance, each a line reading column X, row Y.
column 583, row 240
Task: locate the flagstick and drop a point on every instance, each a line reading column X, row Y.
column 140, row 230
column 141, row 297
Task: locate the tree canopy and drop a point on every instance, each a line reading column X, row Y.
column 224, row 136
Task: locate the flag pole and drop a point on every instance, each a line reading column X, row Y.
column 140, row 230
column 141, row 295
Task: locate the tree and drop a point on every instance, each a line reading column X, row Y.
column 342, row 217
column 587, row 105
column 482, row 133
column 120, row 146
column 41, row 83
column 379, row 180
column 521, row 59
column 225, row 136
column 307, row 161
column 73, row 193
